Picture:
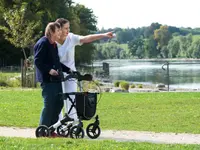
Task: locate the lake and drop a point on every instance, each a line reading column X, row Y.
column 182, row 73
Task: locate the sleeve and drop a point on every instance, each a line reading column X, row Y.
column 40, row 55
column 76, row 39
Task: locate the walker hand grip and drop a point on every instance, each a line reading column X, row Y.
column 86, row 77
column 77, row 75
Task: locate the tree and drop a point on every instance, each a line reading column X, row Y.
column 20, row 31
column 140, row 52
column 162, row 36
column 195, row 49
column 185, row 43
column 149, row 31
column 173, row 47
column 150, row 48
column 164, row 52
column 136, row 45
column 125, row 35
column 87, row 25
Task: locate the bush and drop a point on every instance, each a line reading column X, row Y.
column 14, row 83
column 124, row 85
column 140, row 86
column 132, row 85
column 116, row 83
column 90, row 85
column 3, row 83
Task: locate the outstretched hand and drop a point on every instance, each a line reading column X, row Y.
column 110, row 35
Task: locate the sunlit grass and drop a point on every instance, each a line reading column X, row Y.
column 159, row 112
column 81, row 144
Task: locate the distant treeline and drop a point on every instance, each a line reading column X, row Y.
column 154, row 41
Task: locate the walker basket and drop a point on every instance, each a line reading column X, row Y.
column 86, row 105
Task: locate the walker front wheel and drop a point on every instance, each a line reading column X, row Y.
column 42, row 131
column 76, row 132
column 93, row 131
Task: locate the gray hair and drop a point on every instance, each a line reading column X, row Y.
column 51, row 28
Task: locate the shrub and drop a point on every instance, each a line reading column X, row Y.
column 124, row 85
column 116, row 83
column 14, row 83
column 3, row 83
column 132, row 85
column 90, row 85
column 140, row 86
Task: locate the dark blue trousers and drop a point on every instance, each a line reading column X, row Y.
column 52, row 103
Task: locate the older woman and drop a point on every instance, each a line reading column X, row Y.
column 47, row 63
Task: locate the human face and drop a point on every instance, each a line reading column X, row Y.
column 65, row 29
column 56, row 35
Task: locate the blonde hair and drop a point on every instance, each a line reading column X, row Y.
column 51, row 28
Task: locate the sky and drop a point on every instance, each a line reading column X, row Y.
column 139, row 13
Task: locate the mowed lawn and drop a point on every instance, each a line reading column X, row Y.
column 159, row 112
column 83, row 144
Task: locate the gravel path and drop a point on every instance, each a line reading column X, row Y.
column 137, row 136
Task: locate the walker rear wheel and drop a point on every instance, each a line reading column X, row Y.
column 93, row 131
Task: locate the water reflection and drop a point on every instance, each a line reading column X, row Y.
column 183, row 74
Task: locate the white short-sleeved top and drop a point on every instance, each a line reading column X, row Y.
column 66, row 51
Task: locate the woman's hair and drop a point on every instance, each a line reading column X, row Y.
column 51, row 28
column 62, row 21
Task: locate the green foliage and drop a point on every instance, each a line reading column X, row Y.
column 116, row 83
column 85, row 24
column 125, row 35
column 23, row 22
column 164, row 52
column 150, row 48
column 14, row 83
column 94, row 85
column 195, row 49
column 162, row 36
column 173, row 47
column 140, row 86
column 10, row 83
column 185, row 43
column 9, row 80
column 132, row 86
column 111, row 50
column 19, row 30
column 124, row 85
column 3, row 83
column 136, row 47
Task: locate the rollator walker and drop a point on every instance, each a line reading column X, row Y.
column 85, row 104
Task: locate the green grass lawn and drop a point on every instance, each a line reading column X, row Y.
column 159, row 112
column 9, row 74
column 81, row 144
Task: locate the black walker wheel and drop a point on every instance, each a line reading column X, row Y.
column 76, row 132
column 93, row 131
column 63, row 130
column 42, row 131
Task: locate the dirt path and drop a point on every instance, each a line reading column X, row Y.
column 138, row 136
